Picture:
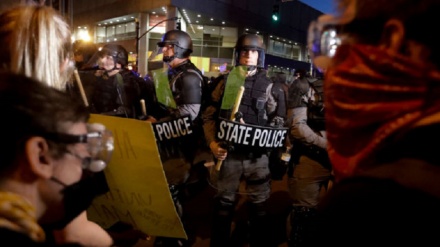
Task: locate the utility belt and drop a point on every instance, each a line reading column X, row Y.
column 247, row 152
column 243, row 151
column 318, row 154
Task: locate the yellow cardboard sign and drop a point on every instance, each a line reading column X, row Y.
column 139, row 194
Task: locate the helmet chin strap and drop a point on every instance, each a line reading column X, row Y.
column 251, row 67
column 113, row 69
column 107, row 72
column 168, row 59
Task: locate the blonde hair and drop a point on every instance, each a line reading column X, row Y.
column 36, row 41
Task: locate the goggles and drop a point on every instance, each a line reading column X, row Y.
column 322, row 40
column 327, row 33
column 100, row 145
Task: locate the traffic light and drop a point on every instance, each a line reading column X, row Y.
column 276, row 12
column 178, row 24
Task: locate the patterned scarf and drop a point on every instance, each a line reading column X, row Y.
column 17, row 214
column 371, row 95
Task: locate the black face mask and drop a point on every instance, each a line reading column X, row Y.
column 79, row 196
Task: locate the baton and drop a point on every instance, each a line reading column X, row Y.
column 80, row 86
column 234, row 110
column 144, row 108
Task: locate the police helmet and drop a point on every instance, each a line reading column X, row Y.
column 250, row 42
column 118, row 52
column 182, row 42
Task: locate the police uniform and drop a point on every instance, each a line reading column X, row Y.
column 311, row 168
column 260, row 105
column 179, row 155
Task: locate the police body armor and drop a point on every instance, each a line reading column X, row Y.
column 186, row 89
column 132, row 84
column 315, row 119
column 252, row 107
column 107, row 97
column 253, row 103
column 186, row 93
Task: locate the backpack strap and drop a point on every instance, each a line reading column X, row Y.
column 181, row 73
column 119, row 79
column 119, row 90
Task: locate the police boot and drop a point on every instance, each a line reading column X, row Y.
column 221, row 224
column 302, row 222
column 259, row 227
column 197, row 181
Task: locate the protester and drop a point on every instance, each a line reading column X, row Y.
column 44, row 151
column 36, row 41
column 259, row 106
column 382, row 104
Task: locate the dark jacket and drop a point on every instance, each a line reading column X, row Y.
column 395, row 202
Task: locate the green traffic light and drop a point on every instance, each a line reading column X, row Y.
column 275, row 12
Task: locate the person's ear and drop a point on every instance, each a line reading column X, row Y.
column 393, row 35
column 38, row 155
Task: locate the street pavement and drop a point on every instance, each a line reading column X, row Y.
column 199, row 209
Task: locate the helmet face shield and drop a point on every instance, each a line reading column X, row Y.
column 157, row 54
column 246, row 43
column 93, row 63
column 117, row 52
column 181, row 43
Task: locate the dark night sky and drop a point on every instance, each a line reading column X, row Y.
column 326, row 6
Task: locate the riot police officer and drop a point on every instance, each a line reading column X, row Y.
column 117, row 90
column 180, row 155
column 310, row 170
column 262, row 105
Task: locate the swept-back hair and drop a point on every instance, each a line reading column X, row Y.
column 36, row 41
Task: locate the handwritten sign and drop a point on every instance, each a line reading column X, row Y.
column 139, row 193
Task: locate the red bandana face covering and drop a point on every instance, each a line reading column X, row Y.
column 370, row 95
